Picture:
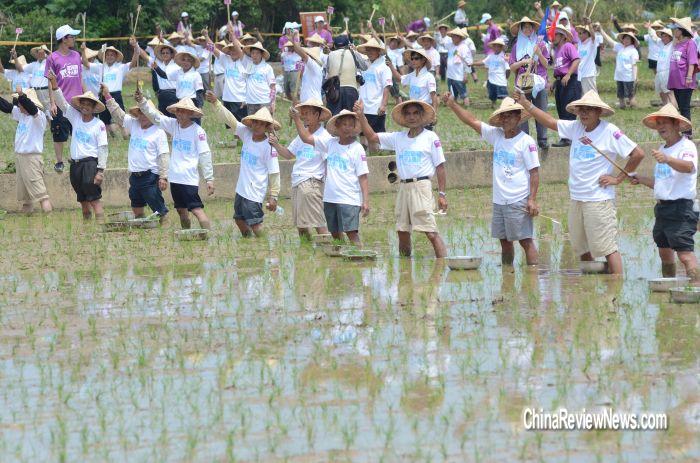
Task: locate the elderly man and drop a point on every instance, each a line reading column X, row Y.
column 592, row 214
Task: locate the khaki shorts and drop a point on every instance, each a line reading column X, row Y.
column 414, row 207
column 589, row 83
column 593, row 227
column 307, row 204
column 30, row 178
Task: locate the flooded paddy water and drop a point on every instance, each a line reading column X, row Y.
column 137, row 347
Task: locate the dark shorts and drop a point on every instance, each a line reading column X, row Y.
column 341, row 217
column 186, row 196
column 457, row 88
column 675, row 226
column 82, row 179
column 625, row 89
column 348, row 97
column 238, row 110
column 652, row 64
column 394, row 90
column 245, row 209
column 496, row 92
column 60, row 127
column 143, row 190
column 378, row 123
column 105, row 116
column 165, row 99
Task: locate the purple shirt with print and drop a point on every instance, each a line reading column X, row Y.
column 564, row 55
column 492, row 33
column 69, row 72
column 325, row 35
column 540, row 70
column 417, row 26
column 683, row 55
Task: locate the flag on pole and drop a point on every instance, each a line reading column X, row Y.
column 542, row 31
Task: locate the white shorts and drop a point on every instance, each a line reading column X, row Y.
column 661, row 82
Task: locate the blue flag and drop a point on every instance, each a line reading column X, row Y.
column 542, row 31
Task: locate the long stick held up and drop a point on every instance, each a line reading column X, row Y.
column 136, row 22
column 84, row 22
column 587, row 141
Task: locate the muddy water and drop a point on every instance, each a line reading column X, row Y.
column 136, row 347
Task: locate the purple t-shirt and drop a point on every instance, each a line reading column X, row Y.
column 417, row 26
column 540, row 71
column 563, row 57
column 69, row 72
column 325, row 35
column 283, row 40
column 683, row 55
column 492, row 33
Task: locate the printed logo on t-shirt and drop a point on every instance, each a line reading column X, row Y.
column 410, row 157
column 248, row 157
column 273, row 153
column 618, row 134
column 676, row 55
column 185, row 84
column 584, row 153
column 583, row 53
column 414, row 91
column 662, row 171
column 306, row 152
column 370, row 77
column 233, row 72
column 138, row 143
column 258, row 77
column 111, row 77
column 202, row 136
column 336, row 161
column 437, row 143
column 686, row 155
column 184, row 146
column 70, row 70
column 22, row 128
column 83, row 136
column 532, row 148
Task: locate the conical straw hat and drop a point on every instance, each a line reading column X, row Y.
column 99, row 106
column 428, row 112
column 154, row 41
column 657, row 24
column 257, row 46
column 458, row 32
column 247, row 38
column 427, row 37
column 684, row 23
column 371, row 43
column 161, row 47
column 314, row 53
column 312, row 103
column 331, row 125
column 31, row 94
column 564, row 31
column 498, row 41
column 21, row 60
column 407, row 56
column 186, row 104
column 179, row 57
column 263, row 115
column 34, row 51
column 668, row 111
column 90, row 54
column 120, row 55
column 666, row 31
column 590, row 99
column 515, row 27
column 635, row 41
column 175, row 36
column 507, row 105
column 315, row 38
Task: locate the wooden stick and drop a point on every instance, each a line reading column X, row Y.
column 396, row 26
column 383, row 34
column 136, row 23
column 446, row 17
column 374, row 10
column 620, row 168
column 14, row 47
column 103, row 49
column 84, row 22
column 51, row 37
column 539, row 215
column 590, row 15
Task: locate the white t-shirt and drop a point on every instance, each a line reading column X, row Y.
column 458, row 56
column 415, row 157
column 497, row 66
column 170, row 69
column 309, row 161
column 420, row 86
column 625, row 62
column 344, row 164
column 35, row 70
column 586, row 52
column 113, row 75
column 218, row 67
column 396, row 56
column 204, row 56
column 654, row 45
column 188, row 144
column 258, row 160
column 235, row 77
column 29, row 136
column 311, row 81
column 91, row 80
column 434, row 56
column 289, row 61
column 145, row 145
column 586, row 165
column 17, row 79
column 513, row 158
column 186, row 83
column 663, row 62
column 670, row 184
column 377, row 78
column 86, row 136
column 259, row 78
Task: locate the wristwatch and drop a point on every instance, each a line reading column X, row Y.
column 442, row 193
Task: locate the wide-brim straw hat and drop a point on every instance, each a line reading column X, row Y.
column 555, row 3
column 461, row 3
column 257, row 46
column 565, row 32
column 670, row 112
column 221, row 43
column 458, row 32
column 684, row 23
column 629, row 34
column 185, row 104
column 90, row 53
column 31, row 94
column 412, row 35
column 201, row 39
column 666, row 31
column 246, row 38
column 630, row 27
column 159, row 49
column 20, row 60
column 371, row 43
column 498, row 41
column 658, row 24
column 34, row 51
column 175, row 36
column 262, row 115
column 315, row 38
column 120, row 55
column 428, row 113
column 364, row 37
column 99, row 106
column 507, row 105
column 407, row 56
column 314, row 53
column 441, row 25
column 180, row 56
column 313, row 103
column 155, row 41
column 586, row 28
column 331, row 125
column 590, row 99
column 427, row 37
column 515, row 27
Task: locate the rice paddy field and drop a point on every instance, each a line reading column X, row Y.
column 136, row 347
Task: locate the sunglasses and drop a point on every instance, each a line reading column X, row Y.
column 416, row 57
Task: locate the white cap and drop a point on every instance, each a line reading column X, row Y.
column 485, row 17
column 234, row 13
column 563, row 15
column 184, row 15
column 319, row 19
column 66, row 30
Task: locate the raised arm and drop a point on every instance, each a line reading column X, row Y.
column 135, row 55
column 220, row 112
column 112, row 106
column 371, row 136
column 304, row 134
column 5, row 106
column 59, row 99
column 18, row 65
column 465, row 116
column 540, row 116
column 607, row 38
column 394, row 73
column 237, row 49
column 280, row 148
column 147, row 109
